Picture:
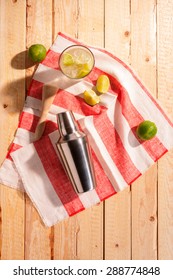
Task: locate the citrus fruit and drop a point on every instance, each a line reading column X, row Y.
column 102, row 84
column 84, row 69
column 37, row 52
column 91, row 97
column 68, row 59
column 146, row 130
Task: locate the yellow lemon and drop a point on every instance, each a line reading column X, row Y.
column 146, row 130
column 102, row 84
column 91, row 97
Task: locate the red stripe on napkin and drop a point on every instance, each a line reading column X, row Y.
column 35, row 89
column 14, row 147
column 51, row 59
column 104, row 187
column 28, row 121
column 154, row 147
column 57, row 176
column 50, row 127
column 134, row 119
column 71, row 40
column 115, row 148
column 77, row 104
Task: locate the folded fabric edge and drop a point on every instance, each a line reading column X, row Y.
column 14, row 180
column 9, row 185
column 46, row 222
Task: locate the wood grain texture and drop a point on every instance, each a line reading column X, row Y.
column 165, row 95
column 12, row 92
column 118, row 219
column 38, row 238
column 144, row 190
column 117, row 28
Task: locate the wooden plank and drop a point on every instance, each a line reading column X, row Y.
column 118, row 226
column 117, row 218
column 165, row 86
column 117, row 28
column 81, row 236
column 91, row 22
column 144, row 190
column 65, row 17
column 12, row 88
column 38, row 238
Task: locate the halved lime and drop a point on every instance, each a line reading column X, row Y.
column 37, row 52
column 103, row 84
column 91, row 97
column 67, row 59
column 146, row 130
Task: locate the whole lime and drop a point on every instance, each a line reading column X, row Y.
column 146, row 130
column 37, row 52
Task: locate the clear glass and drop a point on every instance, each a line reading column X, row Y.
column 76, row 62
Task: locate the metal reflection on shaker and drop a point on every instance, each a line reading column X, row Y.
column 74, row 152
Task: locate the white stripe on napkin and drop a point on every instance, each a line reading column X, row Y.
column 143, row 160
column 106, row 161
column 39, row 188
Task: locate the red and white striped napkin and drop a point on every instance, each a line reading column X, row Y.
column 119, row 156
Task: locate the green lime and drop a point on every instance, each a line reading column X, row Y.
column 103, row 84
column 91, row 97
column 37, row 52
column 146, row 130
column 68, row 59
column 84, row 70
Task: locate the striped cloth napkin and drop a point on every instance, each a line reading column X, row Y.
column 119, row 156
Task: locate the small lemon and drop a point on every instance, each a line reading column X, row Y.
column 146, row 130
column 91, row 97
column 37, row 52
column 102, row 84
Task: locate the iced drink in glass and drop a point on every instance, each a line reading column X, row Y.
column 76, row 61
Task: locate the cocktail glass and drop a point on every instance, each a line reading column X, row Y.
column 76, row 61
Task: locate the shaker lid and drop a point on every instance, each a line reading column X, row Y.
column 66, row 123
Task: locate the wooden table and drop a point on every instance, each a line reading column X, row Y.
column 136, row 223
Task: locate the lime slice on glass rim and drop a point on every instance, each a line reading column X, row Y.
column 146, row 130
column 91, row 97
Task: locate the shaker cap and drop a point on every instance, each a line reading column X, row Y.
column 66, row 123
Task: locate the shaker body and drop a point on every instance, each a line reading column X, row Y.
column 75, row 155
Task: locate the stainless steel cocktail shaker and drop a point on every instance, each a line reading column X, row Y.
column 74, row 152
